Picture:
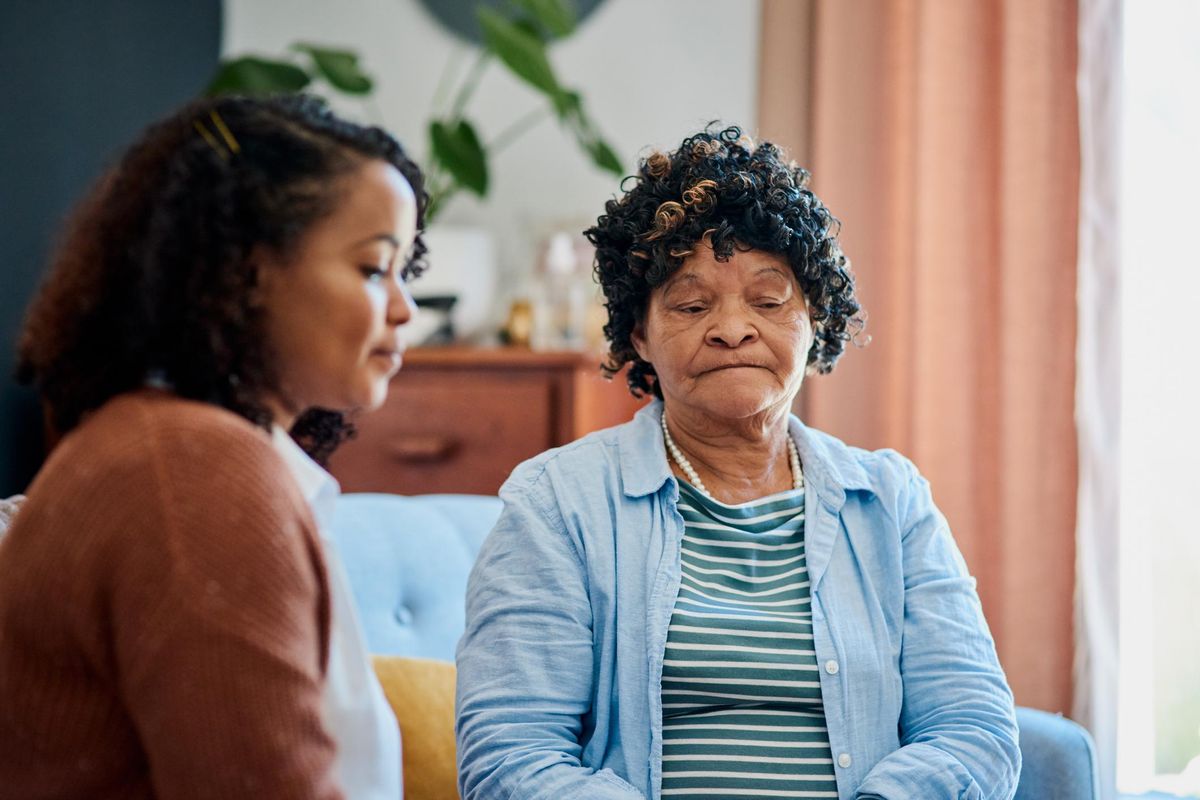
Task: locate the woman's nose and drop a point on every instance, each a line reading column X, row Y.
column 401, row 306
column 731, row 328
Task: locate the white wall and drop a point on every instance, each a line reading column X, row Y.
column 650, row 71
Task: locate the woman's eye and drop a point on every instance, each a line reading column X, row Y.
column 691, row 309
column 373, row 273
column 769, row 304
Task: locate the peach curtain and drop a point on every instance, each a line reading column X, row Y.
column 944, row 135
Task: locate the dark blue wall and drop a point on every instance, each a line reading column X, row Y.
column 78, row 80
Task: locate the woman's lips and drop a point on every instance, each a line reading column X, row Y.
column 392, row 357
column 724, row 367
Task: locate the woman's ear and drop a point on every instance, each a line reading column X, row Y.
column 268, row 272
column 638, row 338
column 810, row 368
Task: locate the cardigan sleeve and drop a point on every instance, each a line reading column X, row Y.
column 220, row 623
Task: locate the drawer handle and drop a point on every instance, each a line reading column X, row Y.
column 423, row 448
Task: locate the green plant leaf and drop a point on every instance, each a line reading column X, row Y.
column 457, row 148
column 521, row 51
column 567, row 103
column 339, row 67
column 555, row 17
column 605, row 157
column 254, row 75
column 530, row 26
column 575, row 119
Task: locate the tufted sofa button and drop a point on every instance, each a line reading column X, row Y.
column 404, row 615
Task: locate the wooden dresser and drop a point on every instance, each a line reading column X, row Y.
column 460, row 419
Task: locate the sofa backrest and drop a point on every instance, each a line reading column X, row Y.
column 407, row 559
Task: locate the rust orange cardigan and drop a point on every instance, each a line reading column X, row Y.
column 164, row 616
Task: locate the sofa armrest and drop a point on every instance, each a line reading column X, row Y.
column 1058, row 758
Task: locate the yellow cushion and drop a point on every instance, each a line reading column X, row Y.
column 421, row 692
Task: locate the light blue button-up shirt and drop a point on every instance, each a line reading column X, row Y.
column 560, row 668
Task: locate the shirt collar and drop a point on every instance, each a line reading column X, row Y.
column 319, row 488
column 830, row 467
column 643, row 454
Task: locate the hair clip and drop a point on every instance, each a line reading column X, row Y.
column 226, row 134
column 212, row 140
column 231, row 143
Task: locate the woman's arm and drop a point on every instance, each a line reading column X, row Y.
column 219, row 615
column 958, row 729
column 525, row 664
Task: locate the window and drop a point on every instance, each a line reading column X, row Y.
column 1158, row 744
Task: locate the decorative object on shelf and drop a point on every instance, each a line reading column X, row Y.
column 514, row 33
column 562, row 293
column 466, row 269
column 433, row 324
column 518, row 328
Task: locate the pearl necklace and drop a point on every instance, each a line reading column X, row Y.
column 694, row 477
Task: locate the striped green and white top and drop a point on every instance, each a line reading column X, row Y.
column 742, row 711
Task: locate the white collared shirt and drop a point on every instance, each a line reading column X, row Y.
column 357, row 713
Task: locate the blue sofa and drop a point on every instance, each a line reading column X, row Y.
column 408, row 559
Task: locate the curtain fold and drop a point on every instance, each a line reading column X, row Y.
column 945, row 135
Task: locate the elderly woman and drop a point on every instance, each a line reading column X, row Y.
column 174, row 621
column 714, row 600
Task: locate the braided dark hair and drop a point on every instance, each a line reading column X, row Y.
column 721, row 187
column 156, row 278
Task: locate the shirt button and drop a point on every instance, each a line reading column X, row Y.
column 831, row 667
column 844, row 760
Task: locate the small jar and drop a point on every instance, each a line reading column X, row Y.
column 518, row 328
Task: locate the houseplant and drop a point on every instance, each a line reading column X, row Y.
column 516, row 36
